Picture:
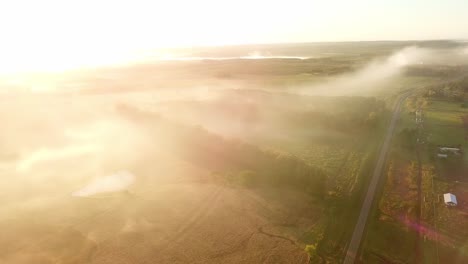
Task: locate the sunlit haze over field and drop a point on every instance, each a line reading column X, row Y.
column 59, row 35
column 246, row 131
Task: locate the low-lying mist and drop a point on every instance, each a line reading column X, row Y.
column 75, row 146
column 53, row 149
column 380, row 72
column 112, row 183
column 76, row 139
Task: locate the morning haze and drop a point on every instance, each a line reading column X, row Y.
column 152, row 132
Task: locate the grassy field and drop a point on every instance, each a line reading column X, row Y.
column 444, row 124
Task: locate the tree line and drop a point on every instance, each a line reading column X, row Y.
column 249, row 164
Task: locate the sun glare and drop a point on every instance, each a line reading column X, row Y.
column 56, row 36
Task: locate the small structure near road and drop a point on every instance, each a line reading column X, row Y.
column 447, row 149
column 450, row 199
column 448, row 152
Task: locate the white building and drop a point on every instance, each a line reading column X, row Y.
column 445, row 149
column 450, row 199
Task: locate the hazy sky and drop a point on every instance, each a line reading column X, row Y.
column 98, row 30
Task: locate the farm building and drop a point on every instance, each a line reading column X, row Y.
column 450, row 199
column 453, row 150
column 442, row 155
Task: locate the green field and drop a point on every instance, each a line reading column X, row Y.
column 443, row 121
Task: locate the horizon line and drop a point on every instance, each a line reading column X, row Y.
column 309, row 42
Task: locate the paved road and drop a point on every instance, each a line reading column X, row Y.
column 353, row 247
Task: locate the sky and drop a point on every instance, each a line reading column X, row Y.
column 60, row 33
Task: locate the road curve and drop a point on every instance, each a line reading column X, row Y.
column 353, row 247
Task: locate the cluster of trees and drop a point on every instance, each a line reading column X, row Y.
column 249, row 164
column 349, row 122
column 435, row 71
column 415, row 103
column 354, row 115
column 253, row 166
column 454, row 91
column 272, row 67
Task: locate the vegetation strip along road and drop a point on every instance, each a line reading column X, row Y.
column 356, row 238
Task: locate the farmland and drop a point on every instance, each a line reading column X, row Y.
column 411, row 208
column 221, row 160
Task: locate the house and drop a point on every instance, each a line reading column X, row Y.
column 442, row 156
column 450, row 199
column 453, row 150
